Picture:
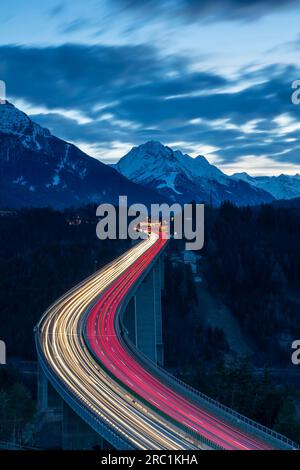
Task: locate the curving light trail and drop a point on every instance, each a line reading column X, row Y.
column 60, row 334
column 80, row 342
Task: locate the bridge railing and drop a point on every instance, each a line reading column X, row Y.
column 8, row 445
column 102, row 426
column 228, row 413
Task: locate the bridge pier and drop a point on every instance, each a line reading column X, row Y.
column 143, row 321
column 42, row 390
column 47, row 397
column 130, row 319
column 158, row 286
column 76, row 434
column 143, row 316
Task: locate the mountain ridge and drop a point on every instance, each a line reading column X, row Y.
column 39, row 169
column 281, row 186
column 183, row 178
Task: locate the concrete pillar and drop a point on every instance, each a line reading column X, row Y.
column 143, row 317
column 157, row 272
column 162, row 271
column 146, row 317
column 76, row 434
column 42, row 390
column 129, row 319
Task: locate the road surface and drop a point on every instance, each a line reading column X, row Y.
column 80, row 343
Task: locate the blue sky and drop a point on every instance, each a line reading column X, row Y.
column 210, row 78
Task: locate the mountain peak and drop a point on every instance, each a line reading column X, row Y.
column 242, row 175
column 39, row 169
column 151, row 149
column 183, row 178
column 16, row 122
column 280, row 187
column 155, row 144
column 155, row 160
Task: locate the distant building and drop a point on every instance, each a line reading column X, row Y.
column 189, row 257
column 75, row 220
column 7, row 213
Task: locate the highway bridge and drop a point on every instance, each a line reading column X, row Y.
column 100, row 346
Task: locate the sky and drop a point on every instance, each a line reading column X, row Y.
column 209, row 78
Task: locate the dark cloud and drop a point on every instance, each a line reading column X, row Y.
column 98, row 132
column 74, row 26
column 57, row 10
column 131, row 94
column 74, row 75
column 194, row 10
column 266, row 100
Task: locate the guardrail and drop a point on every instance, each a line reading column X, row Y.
column 7, row 445
column 76, row 403
column 228, row 413
column 104, row 427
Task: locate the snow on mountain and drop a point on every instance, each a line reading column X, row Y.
column 281, row 187
column 199, row 167
column 38, row 169
column 15, row 122
column 244, row 177
column 154, row 160
column 183, row 178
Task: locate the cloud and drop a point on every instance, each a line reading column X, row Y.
column 107, row 97
column 84, row 76
column 260, row 166
column 73, row 26
column 57, row 10
column 195, row 10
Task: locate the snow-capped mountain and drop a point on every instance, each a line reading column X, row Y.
column 15, row 122
column 281, row 187
column 38, row 169
column 183, row 178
